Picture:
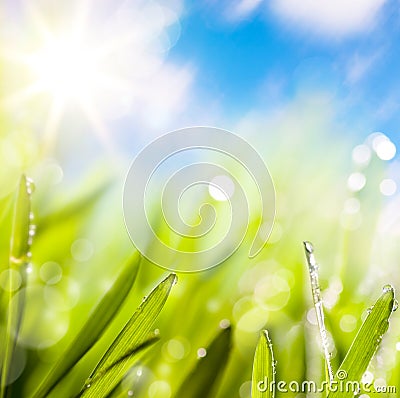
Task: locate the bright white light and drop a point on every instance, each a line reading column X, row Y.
column 356, row 181
column 66, row 69
column 361, row 155
column 108, row 66
column 384, row 148
column 221, row 188
column 201, row 352
column 388, row 187
column 368, row 377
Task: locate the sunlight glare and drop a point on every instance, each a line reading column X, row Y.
column 66, row 69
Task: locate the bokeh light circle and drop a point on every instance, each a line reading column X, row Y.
column 191, row 195
column 44, row 323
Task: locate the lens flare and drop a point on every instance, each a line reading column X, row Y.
column 66, row 69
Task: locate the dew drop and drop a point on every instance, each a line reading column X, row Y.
column 395, row 305
column 32, row 230
column 370, row 309
column 224, row 324
column 30, row 186
column 31, row 234
column 387, row 288
column 201, row 352
column 309, row 247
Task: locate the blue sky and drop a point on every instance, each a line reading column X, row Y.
column 146, row 68
column 258, row 60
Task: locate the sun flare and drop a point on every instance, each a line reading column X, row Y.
column 98, row 64
column 66, row 69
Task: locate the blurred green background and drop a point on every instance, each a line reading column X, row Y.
column 84, row 87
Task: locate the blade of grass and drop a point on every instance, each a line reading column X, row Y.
column 94, row 327
column 129, row 355
column 318, row 305
column 365, row 343
column 263, row 378
column 200, row 381
column 129, row 360
column 134, row 333
column 21, row 239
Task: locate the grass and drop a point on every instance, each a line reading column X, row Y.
column 351, row 369
column 87, row 324
column 19, row 263
column 120, row 356
column 263, row 369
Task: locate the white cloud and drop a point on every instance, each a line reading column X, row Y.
column 153, row 89
column 161, row 99
column 329, row 17
column 359, row 66
column 240, row 9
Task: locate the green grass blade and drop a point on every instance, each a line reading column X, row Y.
column 92, row 330
column 129, row 355
column 201, row 381
column 134, row 333
column 263, row 378
column 19, row 262
column 20, row 242
column 365, row 343
column 127, row 361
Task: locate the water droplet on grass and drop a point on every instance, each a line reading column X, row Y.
column 387, row 288
column 224, row 324
column 30, row 186
column 309, row 247
column 201, row 352
column 32, row 230
column 31, row 233
column 395, row 305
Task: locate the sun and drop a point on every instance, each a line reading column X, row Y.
column 69, row 71
column 66, row 69
column 89, row 67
